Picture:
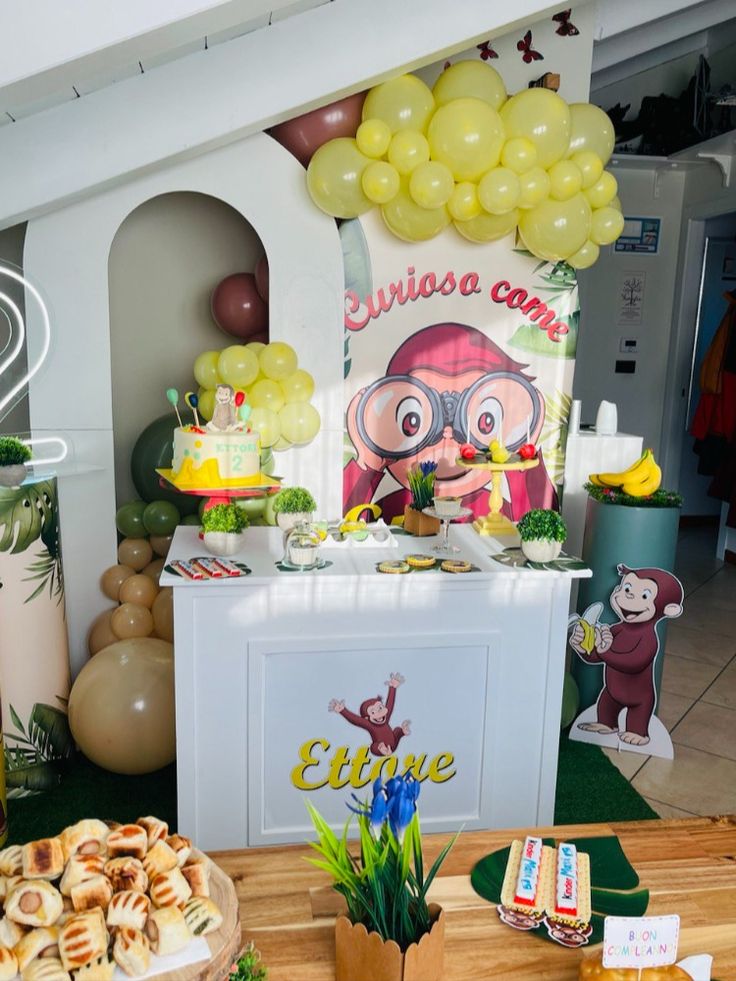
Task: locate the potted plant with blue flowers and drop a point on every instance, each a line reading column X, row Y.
column 421, row 484
column 390, row 930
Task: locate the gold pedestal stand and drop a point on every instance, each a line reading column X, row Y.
column 495, row 523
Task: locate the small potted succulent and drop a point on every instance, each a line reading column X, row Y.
column 223, row 525
column 13, row 458
column 248, row 966
column 542, row 532
column 421, row 484
column 293, row 505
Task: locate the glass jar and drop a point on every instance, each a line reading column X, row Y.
column 302, row 546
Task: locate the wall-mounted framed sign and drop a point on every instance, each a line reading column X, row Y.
column 640, row 235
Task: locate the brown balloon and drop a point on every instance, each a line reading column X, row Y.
column 154, row 569
column 163, row 614
column 131, row 620
column 101, row 633
column 140, row 590
column 304, row 135
column 161, row 544
column 121, row 707
column 135, row 552
column 112, row 579
column 261, row 275
column 238, row 308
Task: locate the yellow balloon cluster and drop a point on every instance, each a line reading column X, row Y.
column 276, row 388
column 466, row 153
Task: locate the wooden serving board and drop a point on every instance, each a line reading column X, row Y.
column 225, row 943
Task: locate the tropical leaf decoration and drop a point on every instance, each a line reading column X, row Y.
column 554, row 433
column 516, row 559
column 613, row 880
column 29, row 514
column 559, row 276
column 34, row 761
column 528, row 337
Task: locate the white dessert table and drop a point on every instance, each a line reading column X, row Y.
column 259, row 659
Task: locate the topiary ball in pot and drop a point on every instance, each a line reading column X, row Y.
column 542, row 532
column 292, row 505
column 13, row 458
column 223, row 525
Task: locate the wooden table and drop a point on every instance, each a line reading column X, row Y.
column 689, row 867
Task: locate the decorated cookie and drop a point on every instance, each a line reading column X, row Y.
column 456, row 565
column 419, row 561
column 395, row 566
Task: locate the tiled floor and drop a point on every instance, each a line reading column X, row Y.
column 698, row 703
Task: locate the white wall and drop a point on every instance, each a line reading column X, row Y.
column 640, row 396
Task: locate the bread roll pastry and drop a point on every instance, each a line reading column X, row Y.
column 202, row 916
column 34, row 904
column 155, row 829
column 42, row 942
column 197, row 875
column 181, row 846
column 78, row 869
column 160, row 858
column 7, row 884
column 131, row 951
column 93, row 892
column 11, row 860
column 126, row 873
column 46, row 969
column 86, row 837
column 128, row 909
column 83, row 939
column 128, row 839
column 170, row 889
column 100, row 969
column 167, row 930
column 592, row 968
column 43, row 859
column 10, row 933
column 8, row 964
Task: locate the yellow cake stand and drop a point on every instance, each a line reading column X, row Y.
column 495, row 523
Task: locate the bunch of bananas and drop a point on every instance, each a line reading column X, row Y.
column 640, row 480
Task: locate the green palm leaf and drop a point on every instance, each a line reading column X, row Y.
column 48, row 730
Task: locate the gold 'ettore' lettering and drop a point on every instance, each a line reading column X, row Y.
column 316, row 770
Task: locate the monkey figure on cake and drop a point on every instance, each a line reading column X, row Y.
column 628, row 650
column 225, row 416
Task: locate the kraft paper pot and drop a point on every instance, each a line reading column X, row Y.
column 419, row 524
column 360, row 956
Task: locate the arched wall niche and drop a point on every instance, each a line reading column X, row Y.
column 67, row 254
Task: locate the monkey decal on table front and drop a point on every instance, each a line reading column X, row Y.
column 375, row 718
column 627, row 650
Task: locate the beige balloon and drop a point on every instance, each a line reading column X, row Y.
column 154, row 569
column 163, row 614
column 135, row 552
column 161, row 544
column 139, row 589
column 131, row 620
column 101, row 633
column 121, row 707
column 112, row 579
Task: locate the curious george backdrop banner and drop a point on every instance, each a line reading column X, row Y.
column 448, row 342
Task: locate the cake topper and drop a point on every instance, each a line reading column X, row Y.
column 192, row 401
column 173, row 396
column 224, row 417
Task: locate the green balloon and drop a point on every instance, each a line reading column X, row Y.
column 129, row 519
column 269, row 514
column 161, row 518
column 254, row 507
column 191, row 519
column 201, row 506
column 570, row 701
column 154, row 449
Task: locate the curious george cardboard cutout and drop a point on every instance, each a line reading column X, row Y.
column 449, row 343
column 624, row 715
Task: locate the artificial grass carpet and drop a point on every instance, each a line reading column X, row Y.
column 589, row 790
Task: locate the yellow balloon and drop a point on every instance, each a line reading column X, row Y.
column 408, row 149
column 467, row 135
column 278, row 360
column 334, row 178
column 586, row 255
column 121, row 707
column 555, row 230
column 603, row 191
column 590, row 129
column 373, row 138
column 590, row 165
column 205, row 369
column 410, row 222
column 238, row 366
column 616, row 203
column 404, row 102
column 267, row 425
column 565, row 180
column 533, row 187
column 464, row 204
column 380, row 181
column 206, row 407
column 487, row 228
column 472, row 79
column 300, row 422
column 519, row 154
column 279, row 446
column 542, row 117
column 255, row 346
column 266, row 394
column 431, row 184
column 298, row 387
column 499, row 191
column 606, row 226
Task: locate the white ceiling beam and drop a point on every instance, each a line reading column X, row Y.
column 213, row 97
column 618, row 16
column 648, row 59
